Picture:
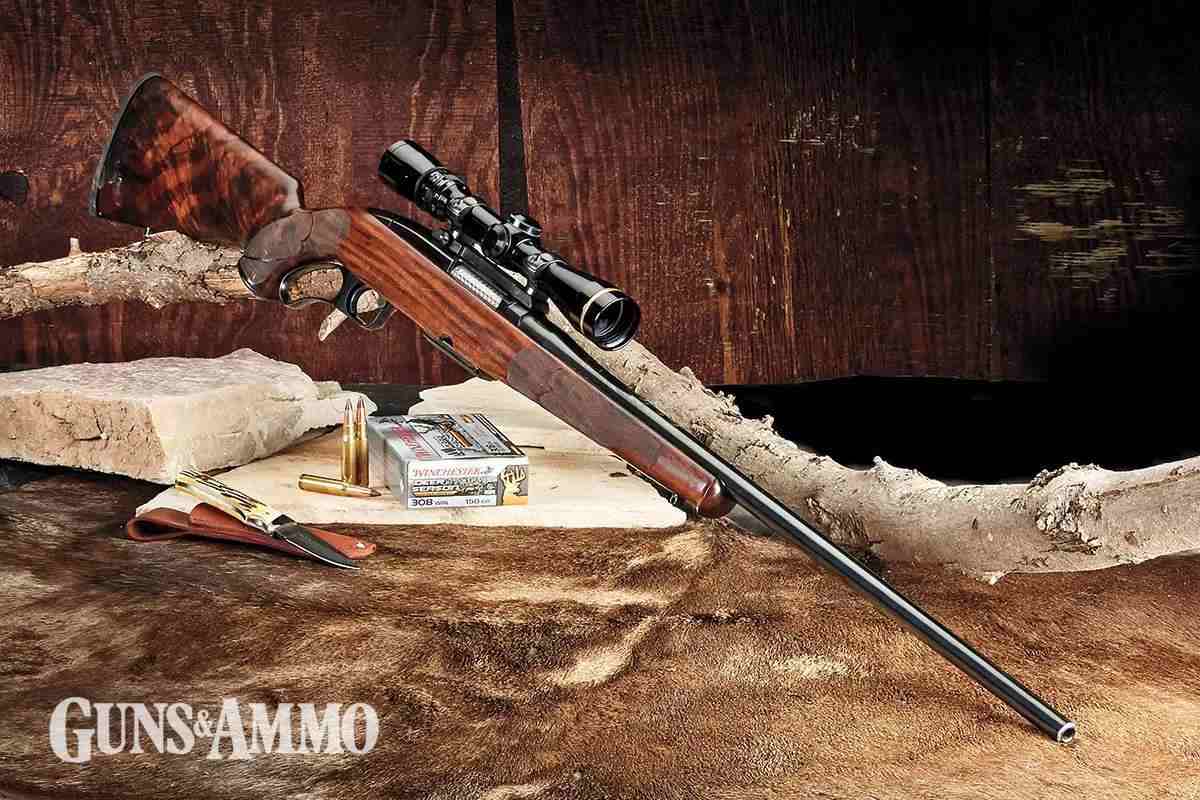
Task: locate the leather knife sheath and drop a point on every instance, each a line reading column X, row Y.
column 160, row 524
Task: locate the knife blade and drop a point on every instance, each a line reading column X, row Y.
column 259, row 515
column 302, row 538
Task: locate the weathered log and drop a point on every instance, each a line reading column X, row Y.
column 160, row 269
column 1077, row 517
column 1073, row 518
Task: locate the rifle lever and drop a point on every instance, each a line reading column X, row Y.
column 331, row 283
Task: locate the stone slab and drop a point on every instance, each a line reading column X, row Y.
column 153, row 417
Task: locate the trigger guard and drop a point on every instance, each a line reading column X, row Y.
column 347, row 302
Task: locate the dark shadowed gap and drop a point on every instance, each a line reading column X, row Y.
column 514, row 187
column 981, row 431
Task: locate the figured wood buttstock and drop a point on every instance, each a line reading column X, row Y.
column 171, row 165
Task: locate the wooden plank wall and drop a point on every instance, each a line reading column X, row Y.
column 794, row 190
column 1096, row 192
column 796, row 193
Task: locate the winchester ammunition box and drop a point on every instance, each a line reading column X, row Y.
column 447, row 460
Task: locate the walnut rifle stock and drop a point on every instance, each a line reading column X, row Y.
column 478, row 290
column 170, row 164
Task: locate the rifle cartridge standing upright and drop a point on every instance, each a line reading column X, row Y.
column 479, row 292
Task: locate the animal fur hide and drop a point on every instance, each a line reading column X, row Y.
column 695, row 662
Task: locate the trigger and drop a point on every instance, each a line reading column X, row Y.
column 330, row 324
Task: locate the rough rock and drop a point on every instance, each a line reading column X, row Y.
column 151, row 418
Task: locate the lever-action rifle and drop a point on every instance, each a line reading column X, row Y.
column 478, row 289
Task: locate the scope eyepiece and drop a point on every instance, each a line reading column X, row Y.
column 603, row 313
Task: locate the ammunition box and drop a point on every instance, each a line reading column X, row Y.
column 447, row 460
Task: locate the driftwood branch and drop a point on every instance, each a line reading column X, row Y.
column 160, row 269
column 1073, row 518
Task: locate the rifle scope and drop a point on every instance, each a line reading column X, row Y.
column 603, row 313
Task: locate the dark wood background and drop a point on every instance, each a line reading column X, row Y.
column 794, row 191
